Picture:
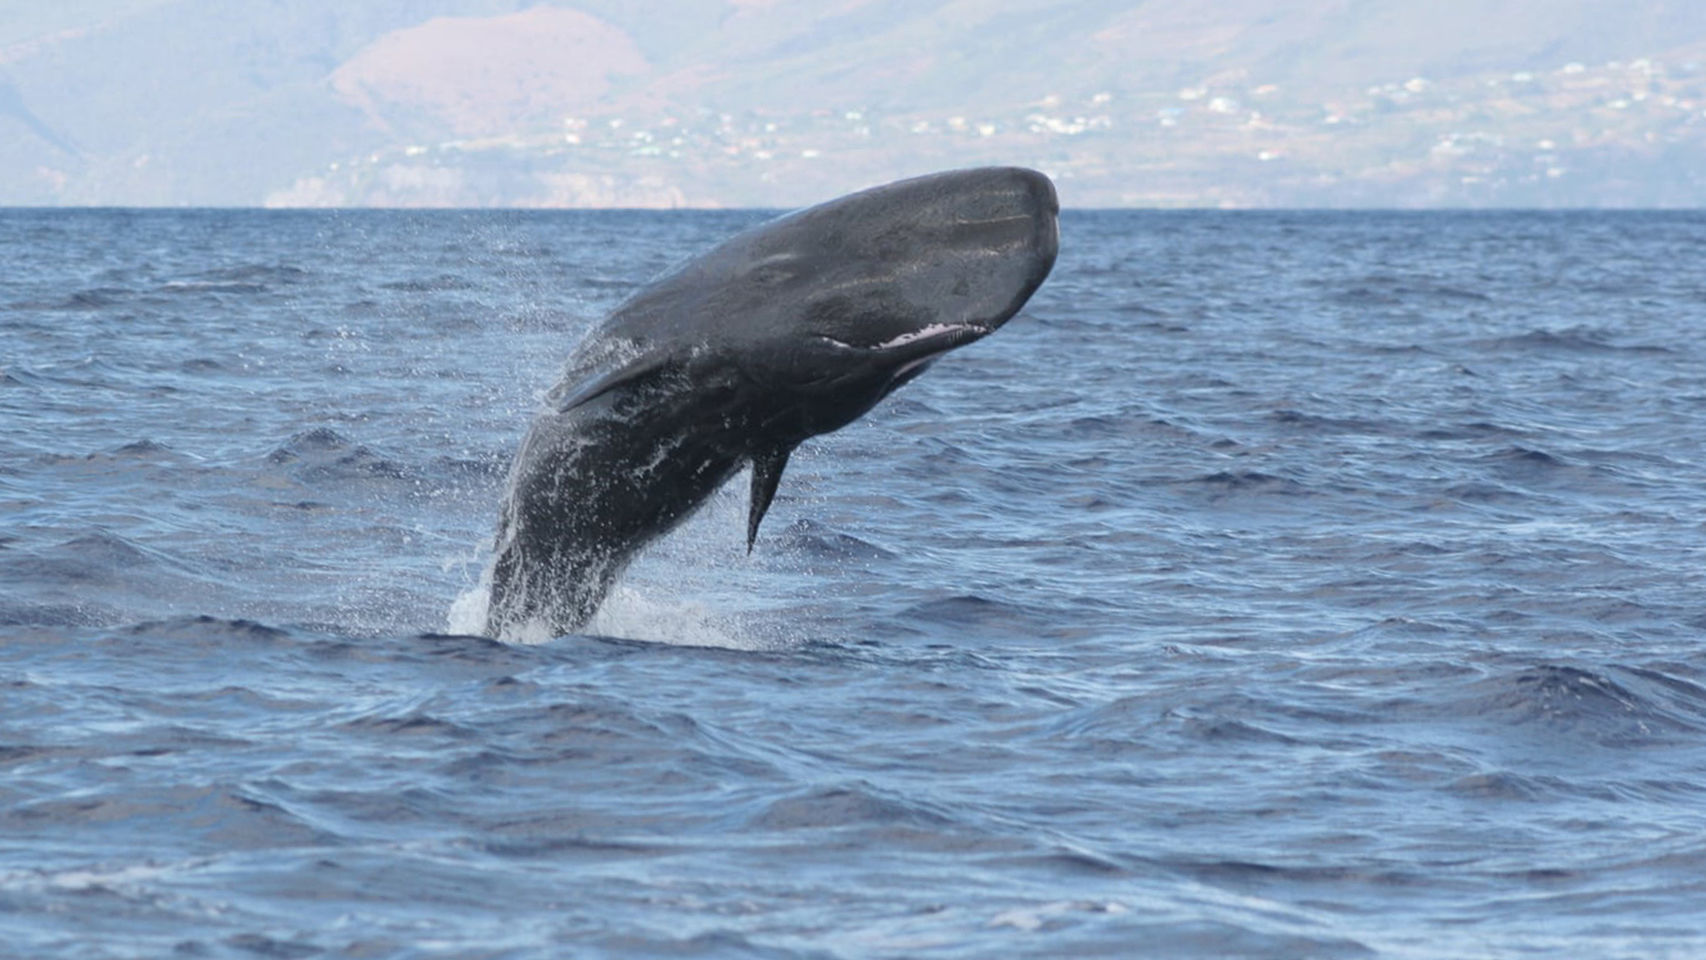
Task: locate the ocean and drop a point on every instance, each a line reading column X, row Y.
column 1312, row 584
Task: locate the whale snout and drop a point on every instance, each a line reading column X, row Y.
column 1001, row 208
column 1026, row 193
column 1035, row 209
column 1003, row 224
column 1006, row 214
column 1046, row 213
column 1015, row 191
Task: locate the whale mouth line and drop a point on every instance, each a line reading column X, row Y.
column 950, row 334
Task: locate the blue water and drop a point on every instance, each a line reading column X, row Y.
column 1277, row 585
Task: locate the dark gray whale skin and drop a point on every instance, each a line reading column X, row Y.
column 785, row 331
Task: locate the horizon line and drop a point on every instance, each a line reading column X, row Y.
column 1122, row 208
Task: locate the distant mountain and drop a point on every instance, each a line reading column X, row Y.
column 780, row 102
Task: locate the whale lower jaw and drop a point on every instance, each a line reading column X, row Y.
column 915, row 346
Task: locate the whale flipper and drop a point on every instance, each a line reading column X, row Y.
column 766, row 476
column 641, row 368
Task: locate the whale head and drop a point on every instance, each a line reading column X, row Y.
column 827, row 309
column 849, row 299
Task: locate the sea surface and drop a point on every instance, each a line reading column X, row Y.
column 1276, row 585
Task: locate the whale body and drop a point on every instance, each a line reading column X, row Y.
column 790, row 329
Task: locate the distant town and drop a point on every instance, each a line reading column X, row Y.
column 1634, row 131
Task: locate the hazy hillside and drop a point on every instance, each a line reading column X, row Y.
column 778, row 102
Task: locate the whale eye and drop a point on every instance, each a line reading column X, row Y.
column 771, row 276
column 775, row 270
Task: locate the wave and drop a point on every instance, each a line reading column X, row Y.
column 815, row 541
column 845, row 805
column 323, row 455
column 443, row 281
column 1572, row 340
column 1611, row 706
column 1248, row 481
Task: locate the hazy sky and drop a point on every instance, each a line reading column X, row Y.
column 778, row 102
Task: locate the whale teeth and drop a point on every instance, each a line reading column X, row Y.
column 925, row 332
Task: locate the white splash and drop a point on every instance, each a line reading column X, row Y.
column 627, row 613
column 467, row 614
column 632, row 615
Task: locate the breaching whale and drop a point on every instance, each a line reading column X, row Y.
column 785, row 331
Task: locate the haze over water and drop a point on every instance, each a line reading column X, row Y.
column 1276, row 585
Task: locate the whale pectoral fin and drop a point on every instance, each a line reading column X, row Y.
column 569, row 396
column 766, row 475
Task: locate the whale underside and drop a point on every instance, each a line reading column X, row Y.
column 733, row 358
